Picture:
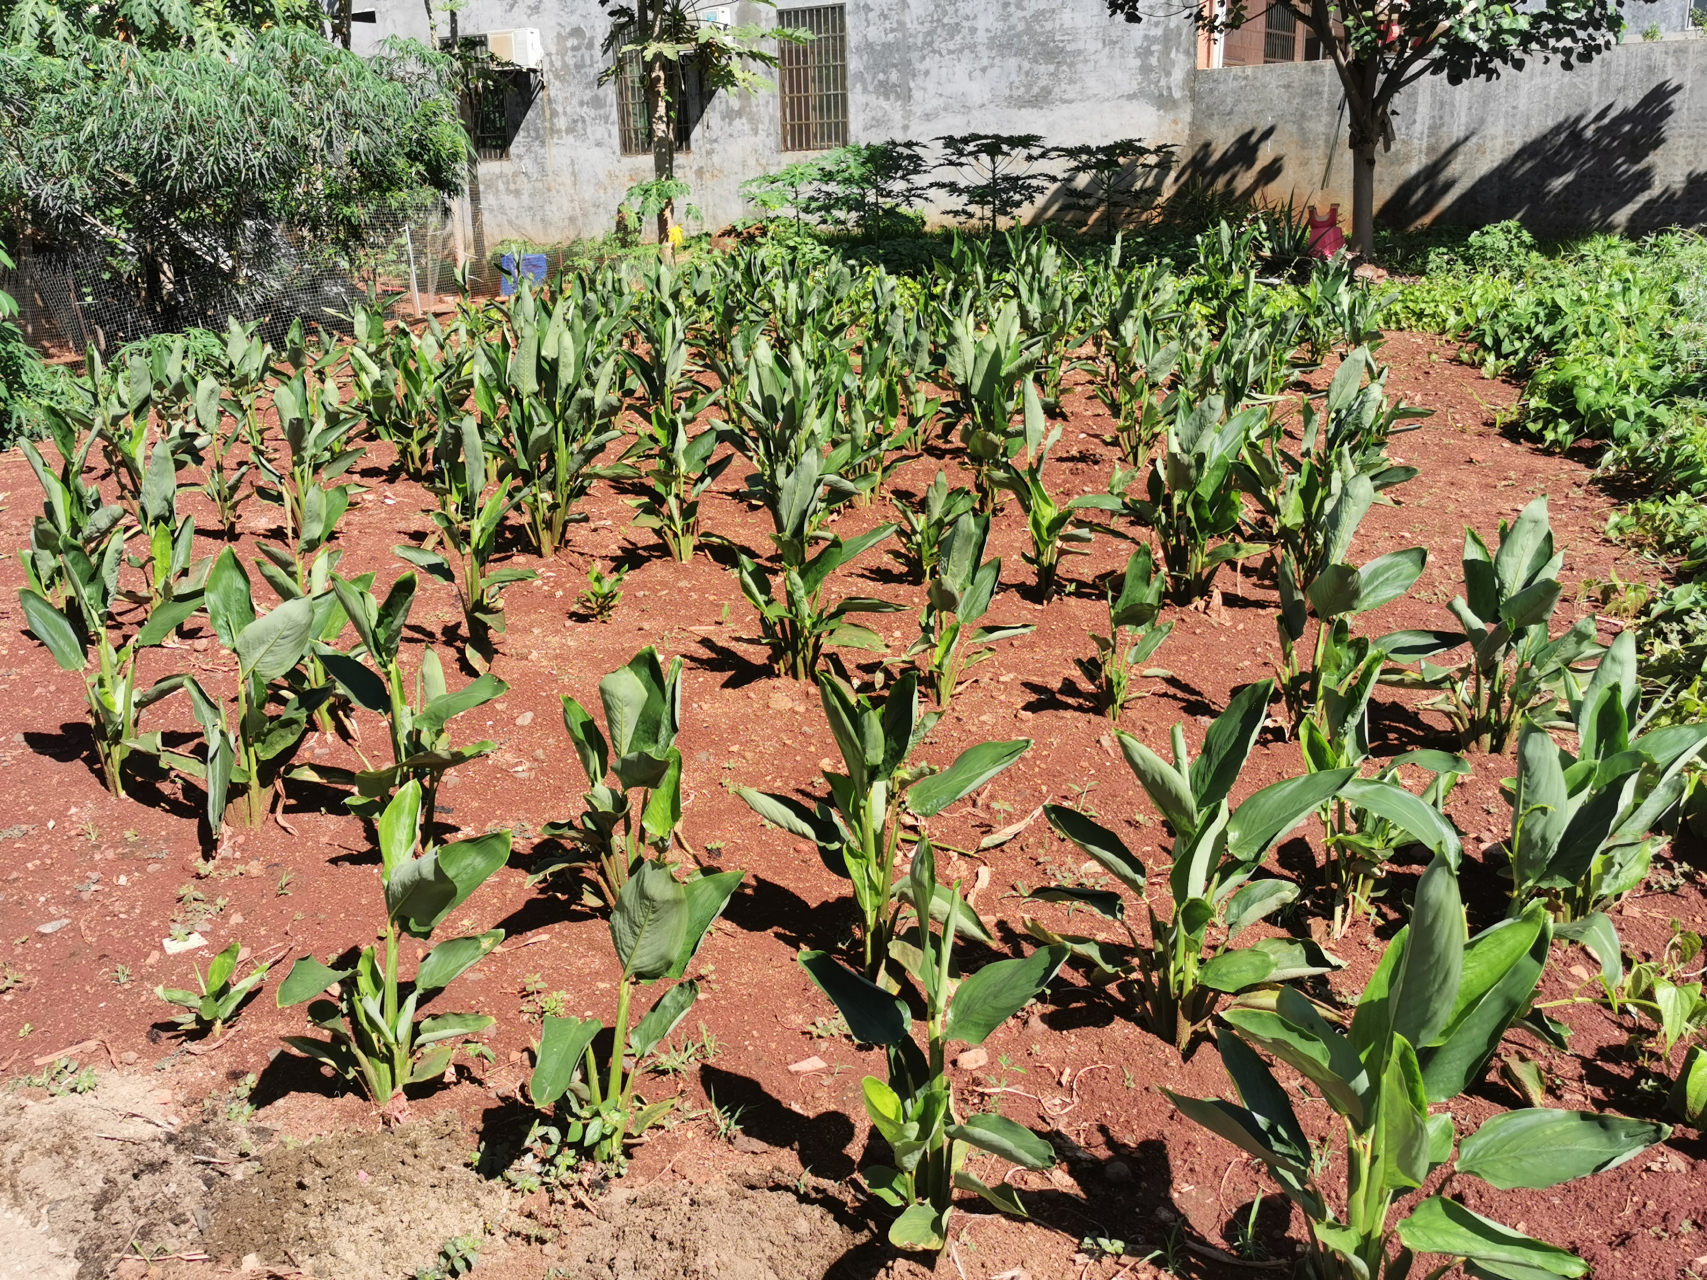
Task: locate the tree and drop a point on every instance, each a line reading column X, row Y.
column 184, row 165
column 1379, row 47
column 999, row 174
column 666, row 35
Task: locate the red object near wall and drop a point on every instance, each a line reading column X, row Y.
column 1326, row 239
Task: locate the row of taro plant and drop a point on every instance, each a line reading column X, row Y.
column 819, row 418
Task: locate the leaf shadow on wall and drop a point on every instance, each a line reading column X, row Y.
column 1585, row 172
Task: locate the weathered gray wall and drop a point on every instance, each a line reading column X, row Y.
column 916, row 69
column 1621, row 142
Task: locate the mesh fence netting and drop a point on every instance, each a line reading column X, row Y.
column 71, row 299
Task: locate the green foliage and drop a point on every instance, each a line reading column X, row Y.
column 952, row 633
column 859, row 830
column 915, row 1111
column 1515, row 668
column 173, row 154
column 643, row 711
column 865, row 187
column 1426, row 1025
column 1132, row 615
column 373, row 1036
column 657, row 925
column 1218, row 849
column 998, row 174
column 219, row 998
column 1114, row 179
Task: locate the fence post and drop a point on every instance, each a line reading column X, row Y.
column 414, row 280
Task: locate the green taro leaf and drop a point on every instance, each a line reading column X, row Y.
column 662, row 1018
column 1005, row 1138
column 1439, row 1225
column 873, row 1015
column 55, row 631
column 307, row 978
column 1540, row 1147
column 1102, row 844
column 273, row 644
column 454, row 957
column 971, row 769
column 650, row 922
column 998, row 991
column 562, row 1045
column 1228, row 744
column 708, row 894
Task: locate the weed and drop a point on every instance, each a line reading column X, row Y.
column 828, row 1028
column 725, row 1124
column 539, row 1003
column 10, row 978
column 604, row 593
column 675, row 1062
column 457, row 1257
column 63, row 1077
column 283, row 888
column 232, row 1104
column 121, row 975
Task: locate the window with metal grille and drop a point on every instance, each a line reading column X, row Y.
column 495, row 104
column 1280, row 35
column 813, row 79
column 634, row 121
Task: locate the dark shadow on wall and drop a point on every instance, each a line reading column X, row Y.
column 1586, row 172
column 1238, row 167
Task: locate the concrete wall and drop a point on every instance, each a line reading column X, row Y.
column 1621, row 142
column 916, row 69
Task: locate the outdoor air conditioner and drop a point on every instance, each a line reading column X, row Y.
column 520, row 47
column 721, row 15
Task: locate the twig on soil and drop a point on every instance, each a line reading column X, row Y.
column 119, row 1137
column 1226, row 1259
column 199, row 1049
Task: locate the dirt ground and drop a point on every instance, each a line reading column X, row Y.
column 175, row 1151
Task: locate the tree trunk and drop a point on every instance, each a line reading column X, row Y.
column 1363, row 197
column 663, row 147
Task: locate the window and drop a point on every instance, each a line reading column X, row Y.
column 497, row 101
column 813, row 79
column 634, row 122
column 1280, row 35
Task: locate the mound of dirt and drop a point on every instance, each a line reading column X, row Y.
column 717, row 1231
column 85, row 1175
column 357, row 1206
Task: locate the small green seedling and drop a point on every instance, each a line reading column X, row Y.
column 220, row 997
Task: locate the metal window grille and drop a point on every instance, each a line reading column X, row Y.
column 634, row 122
column 813, row 79
column 1280, row 35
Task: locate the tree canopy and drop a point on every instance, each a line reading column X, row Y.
column 1378, row 47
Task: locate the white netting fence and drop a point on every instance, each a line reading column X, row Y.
column 71, row 299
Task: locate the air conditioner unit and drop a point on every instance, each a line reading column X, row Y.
column 520, row 47
column 721, row 15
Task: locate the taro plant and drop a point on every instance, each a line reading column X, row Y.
column 211, row 446
column 1177, row 980
column 603, row 593
column 407, row 383
column 672, row 470
column 170, row 540
column 924, row 529
column 1190, row 499
column 657, row 924
column 643, row 712
column 1370, row 818
column 74, row 516
column 1429, row 1020
column 952, row 636
column 1333, row 591
column 417, row 718
column 558, row 390
column 915, row 1110
column 85, row 621
column 1137, row 363
column 797, row 625
column 986, row 371
column 1049, row 521
column 217, row 1002
column 1514, row 668
column 1581, row 824
column 859, row 830
column 373, row 1035
column 469, row 520
column 1134, row 634
column 316, row 431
